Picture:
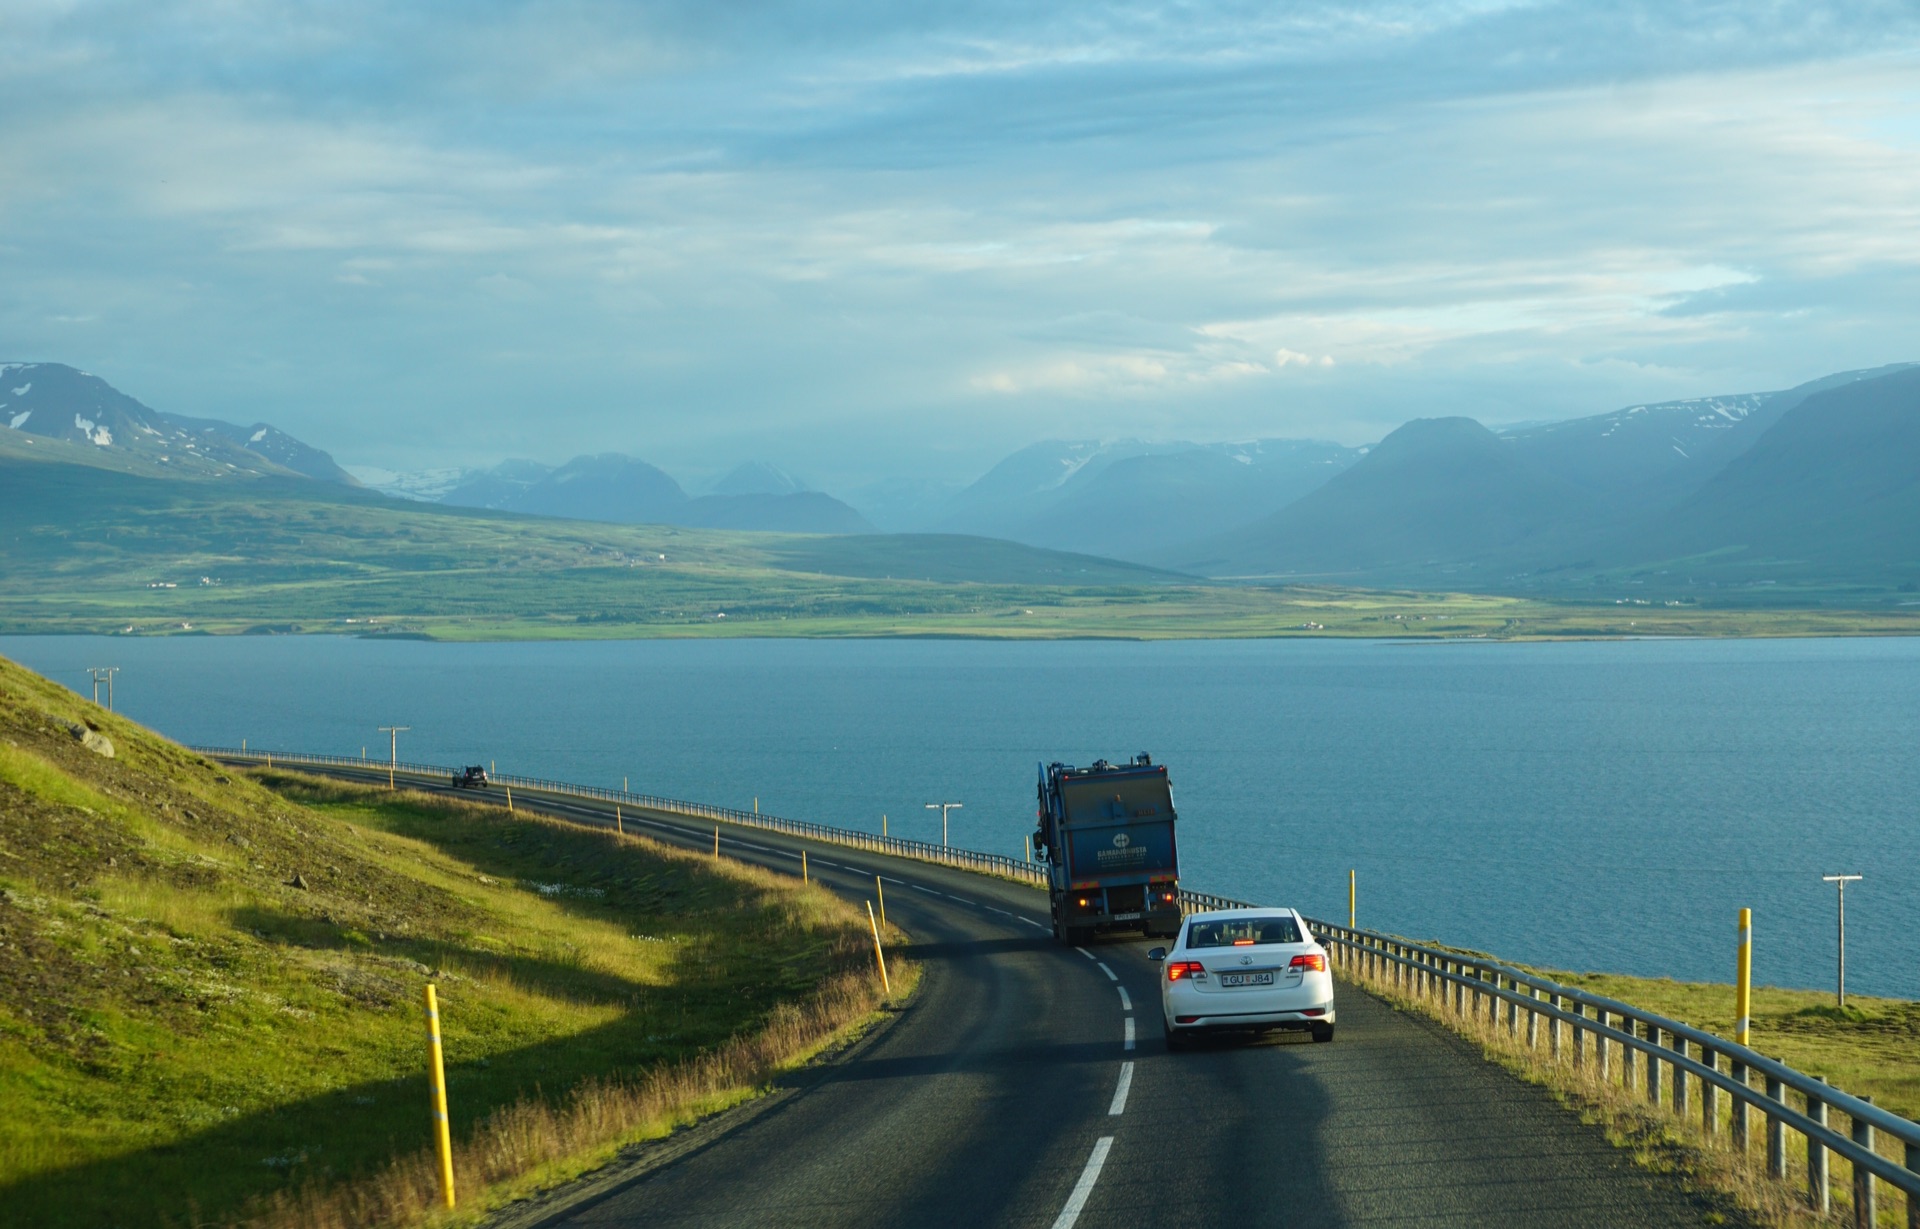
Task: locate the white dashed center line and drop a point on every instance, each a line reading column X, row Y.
column 929, row 891
column 1089, row 955
column 1119, row 1105
column 1111, row 975
column 1084, row 1187
column 1036, row 925
column 1126, row 1004
column 1128, row 1043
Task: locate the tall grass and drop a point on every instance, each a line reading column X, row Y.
column 514, row 1148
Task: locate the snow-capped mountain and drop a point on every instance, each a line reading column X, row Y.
column 55, row 401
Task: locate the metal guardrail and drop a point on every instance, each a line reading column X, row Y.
column 851, row 838
column 1674, row 1054
column 1422, row 972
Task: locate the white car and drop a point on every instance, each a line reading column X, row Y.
column 1245, row 969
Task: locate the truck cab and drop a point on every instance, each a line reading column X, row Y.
column 1106, row 832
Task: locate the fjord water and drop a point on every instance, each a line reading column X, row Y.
column 1604, row 805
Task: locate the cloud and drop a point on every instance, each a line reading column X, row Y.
column 702, row 234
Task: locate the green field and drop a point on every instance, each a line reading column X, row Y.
column 85, row 549
column 210, row 990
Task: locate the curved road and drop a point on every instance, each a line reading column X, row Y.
column 1029, row 1084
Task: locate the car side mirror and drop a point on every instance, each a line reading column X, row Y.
column 1156, row 953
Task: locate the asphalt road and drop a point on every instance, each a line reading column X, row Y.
column 1029, row 1084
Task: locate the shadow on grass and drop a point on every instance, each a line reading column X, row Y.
column 732, row 968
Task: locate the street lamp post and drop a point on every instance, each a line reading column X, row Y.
column 1841, row 882
column 393, row 748
column 943, row 808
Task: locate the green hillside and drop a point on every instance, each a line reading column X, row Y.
column 210, row 992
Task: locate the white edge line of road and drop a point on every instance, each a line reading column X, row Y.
column 1036, row 925
column 1120, row 1090
column 1084, row 1187
column 1111, row 975
column 1126, row 1002
column 1128, row 1043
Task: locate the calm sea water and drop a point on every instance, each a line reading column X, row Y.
column 1589, row 806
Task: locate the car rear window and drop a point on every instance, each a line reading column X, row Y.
column 1242, row 932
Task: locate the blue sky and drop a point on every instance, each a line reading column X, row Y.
column 870, row 239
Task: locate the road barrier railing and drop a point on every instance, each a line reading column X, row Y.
column 1677, row 1058
column 851, row 838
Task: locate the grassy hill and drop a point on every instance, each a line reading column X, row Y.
column 210, row 991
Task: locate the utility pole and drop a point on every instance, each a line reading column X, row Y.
column 393, row 748
column 1841, row 882
column 103, row 674
column 943, row 808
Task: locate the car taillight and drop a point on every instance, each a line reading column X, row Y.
column 1178, row 969
column 1317, row 961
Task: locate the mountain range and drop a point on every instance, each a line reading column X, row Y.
column 54, row 401
column 624, row 490
column 1810, row 486
column 1819, row 484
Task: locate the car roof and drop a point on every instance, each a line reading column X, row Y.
column 1215, row 915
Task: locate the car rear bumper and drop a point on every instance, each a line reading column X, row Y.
column 1228, row 1021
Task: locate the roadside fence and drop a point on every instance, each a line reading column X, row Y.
column 852, row 838
column 1702, row 1079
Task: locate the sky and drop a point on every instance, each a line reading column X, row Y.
column 881, row 241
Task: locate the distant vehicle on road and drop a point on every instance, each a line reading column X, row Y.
column 473, row 776
column 1106, row 834
column 1240, row 970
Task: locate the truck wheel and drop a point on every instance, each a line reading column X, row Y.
column 1323, row 1032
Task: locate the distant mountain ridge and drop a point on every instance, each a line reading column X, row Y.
column 1818, row 484
column 624, row 490
column 55, row 401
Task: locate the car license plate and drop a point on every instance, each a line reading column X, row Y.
column 1127, row 917
column 1247, row 979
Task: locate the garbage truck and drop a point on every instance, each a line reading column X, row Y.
column 1106, row 833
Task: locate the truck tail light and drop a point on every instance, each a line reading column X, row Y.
column 1189, row 969
column 1317, row 961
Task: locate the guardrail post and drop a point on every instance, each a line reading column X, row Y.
column 1776, row 1131
column 1653, row 1065
column 1628, row 1056
column 1866, row 1209
column 1679, row 1078
column 1603, row 1049
column 1709, row 1095
column 1579, row 1036
column 1819, row 1189
column 1913, row 1196
column 1737, row 1112
column 1533, row 1020
column 1553, row 1027
column 1459, row 986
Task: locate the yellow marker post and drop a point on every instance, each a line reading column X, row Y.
column 756, row 806
column 804, row 878
column 885, row 983
column 618, row 824
column 437, row 1098
column 882, row 894
column 1743, row 980
column 509, row 799
column 1351, row 924
column 1029, row 847
column 883, row 823
column 716, row 840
